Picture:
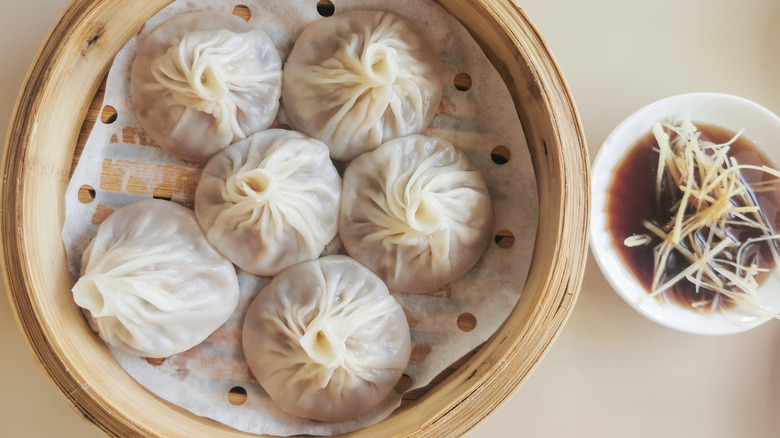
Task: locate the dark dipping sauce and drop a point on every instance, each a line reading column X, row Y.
column 631, row 198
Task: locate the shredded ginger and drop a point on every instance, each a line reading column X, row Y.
column 714, row 197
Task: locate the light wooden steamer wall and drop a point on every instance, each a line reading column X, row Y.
column 37, row 161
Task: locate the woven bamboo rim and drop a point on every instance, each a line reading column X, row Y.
column 37, row 160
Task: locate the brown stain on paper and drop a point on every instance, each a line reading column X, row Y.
column 132, row 135
column 129, row 177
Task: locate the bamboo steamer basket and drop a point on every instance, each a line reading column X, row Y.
column 61, row 92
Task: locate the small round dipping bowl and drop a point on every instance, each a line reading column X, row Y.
column 760, row 126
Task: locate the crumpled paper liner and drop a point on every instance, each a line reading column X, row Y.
column 120, row 165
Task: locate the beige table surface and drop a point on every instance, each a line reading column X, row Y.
column 611, row 373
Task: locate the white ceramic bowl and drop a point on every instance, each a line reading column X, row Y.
column 760, row 126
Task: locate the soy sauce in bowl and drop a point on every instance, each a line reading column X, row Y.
column 632, row 198
column 620, row 203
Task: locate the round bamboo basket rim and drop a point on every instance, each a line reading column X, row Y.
column 36, row 163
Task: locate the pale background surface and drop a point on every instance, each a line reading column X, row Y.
column 611, row 373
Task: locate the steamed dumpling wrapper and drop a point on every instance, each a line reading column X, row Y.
column 151, row 284
column 360, row 78
column 417, row 212
column 326, row 340
column 270, row 201
column 204, row 80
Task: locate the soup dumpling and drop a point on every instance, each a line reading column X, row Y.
column 151, row 285
column 203, row 80
column 270, row 201
column 417, row 212
column 326, row 340
column 360, row 78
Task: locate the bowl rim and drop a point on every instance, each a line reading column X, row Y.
column 715, row 106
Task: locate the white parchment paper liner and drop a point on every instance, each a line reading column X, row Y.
column 121, row 166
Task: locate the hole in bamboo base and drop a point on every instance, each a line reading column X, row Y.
column 500, row 154
column 462, row 81
column 87, row 194
column 108, row 116
column 237, row 396
column 467, row 322
column 326, row 8
column 505, row 239
column 243, row 12
column 155, row 361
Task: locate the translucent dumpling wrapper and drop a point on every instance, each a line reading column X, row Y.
column 417, row 212
column 151, row 284
column 360, row 78
column 270, row 201
column 326, row 340
column 204, row 80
